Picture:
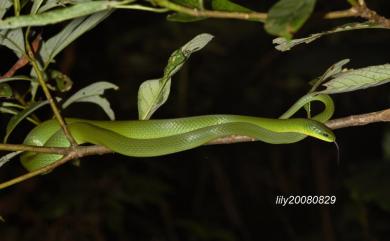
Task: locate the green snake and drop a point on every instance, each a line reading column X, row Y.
column 148, row 138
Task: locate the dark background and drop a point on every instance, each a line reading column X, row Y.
column 224, row 192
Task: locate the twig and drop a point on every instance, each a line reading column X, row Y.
column 359, row 120
column 40, row 149
column 51, row 100
column 351, row 12
column 23, row 60
column 363, row 11
column 360, row 10
column 256, row 16
column 76, row 152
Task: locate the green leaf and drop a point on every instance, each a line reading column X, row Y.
column 92, row 94
column 151, row 95
column 228, row 6
column 154, row 93
column 331, row 71
column 14, row 40
column 59, row 15
column 356, row 79
column 284, row 44
column 5, row 90
column 183, row 18
column 71, row 32
column 190, row 3
column 49, row 4
column 16, row 119
column 6, row 158
column 8, row 110
column 287, row 16
column 4, row 5
column 37, row 4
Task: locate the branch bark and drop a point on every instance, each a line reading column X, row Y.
column 354, row 120
column 359, row 10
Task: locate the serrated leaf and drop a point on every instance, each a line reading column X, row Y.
column 14, row 40
column 284, row 44
column 16, row 119
column 59, row 15
column 71, row 32
column 92, row 94
column 154, row 93
column 331, row 71
column 4, row 5
column 287, row 16
column 228, row 6
column 6, row 158
column 356, row 79
column 183, row 18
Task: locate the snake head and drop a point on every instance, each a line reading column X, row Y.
column 322, row 132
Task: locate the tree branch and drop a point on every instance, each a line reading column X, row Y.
column 354, row 120
column 360, row 10
column 363, row 11
column 81, row 151
column 359, row 120
column 75, row 152
column 256, row 16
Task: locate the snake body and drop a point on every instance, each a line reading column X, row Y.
column 147, row 138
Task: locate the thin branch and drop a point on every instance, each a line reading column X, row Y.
column 52, row 102
column 364, row 12
column 256, row 16
column 359, row 120
column 40, row 149
column 351, row 12
column 360, row 10
column 76, row 152
column 355, row 11
column 354, row 120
